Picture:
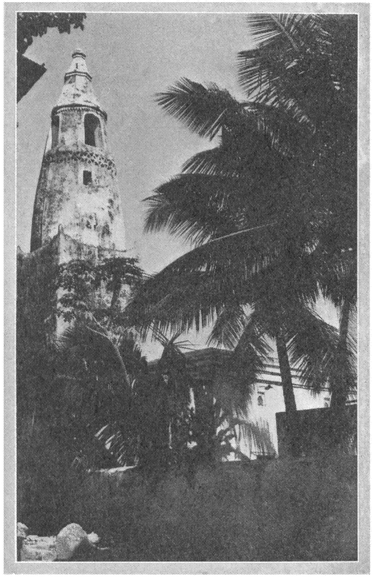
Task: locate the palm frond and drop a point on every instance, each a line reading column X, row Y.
column 121, row 447
column 263, row 132
column 192, row 206
column 287, row 129
column 250, row 352
column 312, row 346
column 203, row 110
column 254, row 437
column 280, row 38
column 337, row 276
column 193, row 289
column 171, row 341
column 229, row 326
column 251, row 248
column 200, row 207
column 234, row 383
column 218, row 161
column 253, row 347
column 294, row 31
column 175, row 303
column 345, row 369
column 280, row 72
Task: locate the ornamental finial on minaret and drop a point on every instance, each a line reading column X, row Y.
column 77, row 89
column 78, row 65
column 78, row 51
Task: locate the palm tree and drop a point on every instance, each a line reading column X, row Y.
column 304, row 65
column 307, row 64
column 217, row 283
column 265, row 200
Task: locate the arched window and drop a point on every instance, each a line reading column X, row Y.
column 92, row 129
column 55, row 130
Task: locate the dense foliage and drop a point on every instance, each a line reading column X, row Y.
column 87, row 398
column 272, row 208
column 30, row 25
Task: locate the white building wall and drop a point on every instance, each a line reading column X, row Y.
column 268, row 391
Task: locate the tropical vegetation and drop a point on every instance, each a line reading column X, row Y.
column 87, row 398
column 271, row 214
column 271, row 210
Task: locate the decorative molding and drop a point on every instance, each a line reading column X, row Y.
column 87, row 107
column 92, row 155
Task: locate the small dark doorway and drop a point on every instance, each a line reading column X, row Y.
column 87, row 177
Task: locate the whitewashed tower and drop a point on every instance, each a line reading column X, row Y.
column 77, row 190
column 77, row 211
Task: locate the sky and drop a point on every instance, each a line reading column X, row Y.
column 133, row 56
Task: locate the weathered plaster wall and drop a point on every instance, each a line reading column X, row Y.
column 89, row 212
column 36, row 295
column 77, row 210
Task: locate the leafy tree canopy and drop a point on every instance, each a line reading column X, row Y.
column 33, row 24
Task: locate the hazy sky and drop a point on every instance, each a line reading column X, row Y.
column 131, row 57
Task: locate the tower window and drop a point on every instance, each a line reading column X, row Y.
column 87, row 177
column 92, row 129
column 55, row 130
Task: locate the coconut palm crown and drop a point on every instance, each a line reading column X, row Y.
column 271, row 210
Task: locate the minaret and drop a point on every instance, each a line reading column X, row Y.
column 77, row 190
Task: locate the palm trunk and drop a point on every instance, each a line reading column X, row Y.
column 288, row 393
column 122, row 365
column 286, row 376
column 339, row 388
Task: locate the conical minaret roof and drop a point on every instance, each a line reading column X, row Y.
column 78, row 89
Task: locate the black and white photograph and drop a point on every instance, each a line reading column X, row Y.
column 186, row 258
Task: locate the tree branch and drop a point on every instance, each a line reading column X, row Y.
column 116, row 349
